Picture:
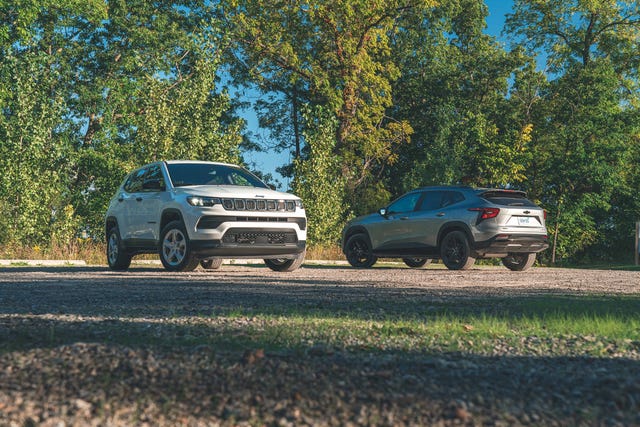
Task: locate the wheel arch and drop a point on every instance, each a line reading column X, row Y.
column 169, row 215
column 358, row 229
column 109, row 223
column 455, row 226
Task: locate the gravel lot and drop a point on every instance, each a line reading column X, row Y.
column 91, row 380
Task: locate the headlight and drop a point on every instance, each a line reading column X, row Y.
column 299, row 204
column 203, row 201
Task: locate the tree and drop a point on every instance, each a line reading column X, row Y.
column 318, row 181
column 579, row 31
column 108, row 86
column 453, row 91
column 34, row 153
column 336, row 53
column 587, row 124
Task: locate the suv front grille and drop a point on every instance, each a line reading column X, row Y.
column 259, row 205
column 257, row 237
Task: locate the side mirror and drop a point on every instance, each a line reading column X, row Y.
column 383, row 212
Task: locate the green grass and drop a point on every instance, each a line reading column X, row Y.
column 540, row 326
column 552, row 334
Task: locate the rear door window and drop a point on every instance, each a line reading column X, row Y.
column 440, row 199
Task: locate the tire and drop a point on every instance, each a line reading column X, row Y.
column 519, row 261
column 211, row 264
column 117, row 257
column 455, row 251
column 416, row 262
column 175, row 248
column 283, row 264
column 358, row 251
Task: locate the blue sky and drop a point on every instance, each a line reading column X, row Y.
column 267, row 162
column 497, row 11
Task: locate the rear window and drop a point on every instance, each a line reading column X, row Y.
column 508, row 198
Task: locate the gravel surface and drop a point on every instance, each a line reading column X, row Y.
column 60, row 364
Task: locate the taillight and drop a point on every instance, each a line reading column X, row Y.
column 486, row 213
column 545, row 214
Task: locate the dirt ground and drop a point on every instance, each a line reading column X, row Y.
column 90, row 380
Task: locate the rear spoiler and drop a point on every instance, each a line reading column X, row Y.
column 504, row 193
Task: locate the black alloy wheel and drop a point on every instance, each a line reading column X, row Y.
column 358, row 251
column 455, row 251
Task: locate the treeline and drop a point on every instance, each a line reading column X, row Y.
column 372, row 98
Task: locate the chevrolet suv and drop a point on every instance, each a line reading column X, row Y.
column 454, row 224
column 192, row 212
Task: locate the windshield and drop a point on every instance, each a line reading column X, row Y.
column 185, row 174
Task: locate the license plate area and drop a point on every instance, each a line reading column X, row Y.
column 526, row 221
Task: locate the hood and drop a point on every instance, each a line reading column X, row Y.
column 234, row 191
column 364, row 219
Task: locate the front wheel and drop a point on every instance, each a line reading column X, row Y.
column 455, row 251
column 358, row 251
column 175, row 248
column 283, row 264
column 519, row 261
column 416, row 262
column 117, row 257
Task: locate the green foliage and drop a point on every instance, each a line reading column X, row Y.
column 586, row 143
column 585, row 122
column 402, row 94
column 318, row 181
column 453, row 92
column 34, row 152
column 91, row 89
column 335, row 53
column 183, row 119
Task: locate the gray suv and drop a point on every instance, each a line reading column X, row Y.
column 197, row 213
column 454, row 224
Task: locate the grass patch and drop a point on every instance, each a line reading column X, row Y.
column 544, row 326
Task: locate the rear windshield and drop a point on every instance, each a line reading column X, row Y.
column 507, row 198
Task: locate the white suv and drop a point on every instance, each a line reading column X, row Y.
column 192, row 212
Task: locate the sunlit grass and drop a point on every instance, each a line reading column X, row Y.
column 552, row 334
column 549, row 334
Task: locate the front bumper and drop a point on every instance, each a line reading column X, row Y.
column 220, row 249
column 502, row 245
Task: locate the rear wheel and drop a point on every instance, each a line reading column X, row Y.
column 283, row 264
column 358, row 251
column 117, row 257
column 519, row 261
column 175, row 248
column 455, row 251
column 416, row 262
column 211, row 264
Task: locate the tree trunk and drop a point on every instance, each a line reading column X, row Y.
column 555, row 238
column 296, row 123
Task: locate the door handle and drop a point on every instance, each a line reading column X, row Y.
column 404, row 218
column 138, row 199
column 121, row 199
column 440, row 214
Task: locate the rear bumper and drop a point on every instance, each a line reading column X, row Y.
column 502, row 245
